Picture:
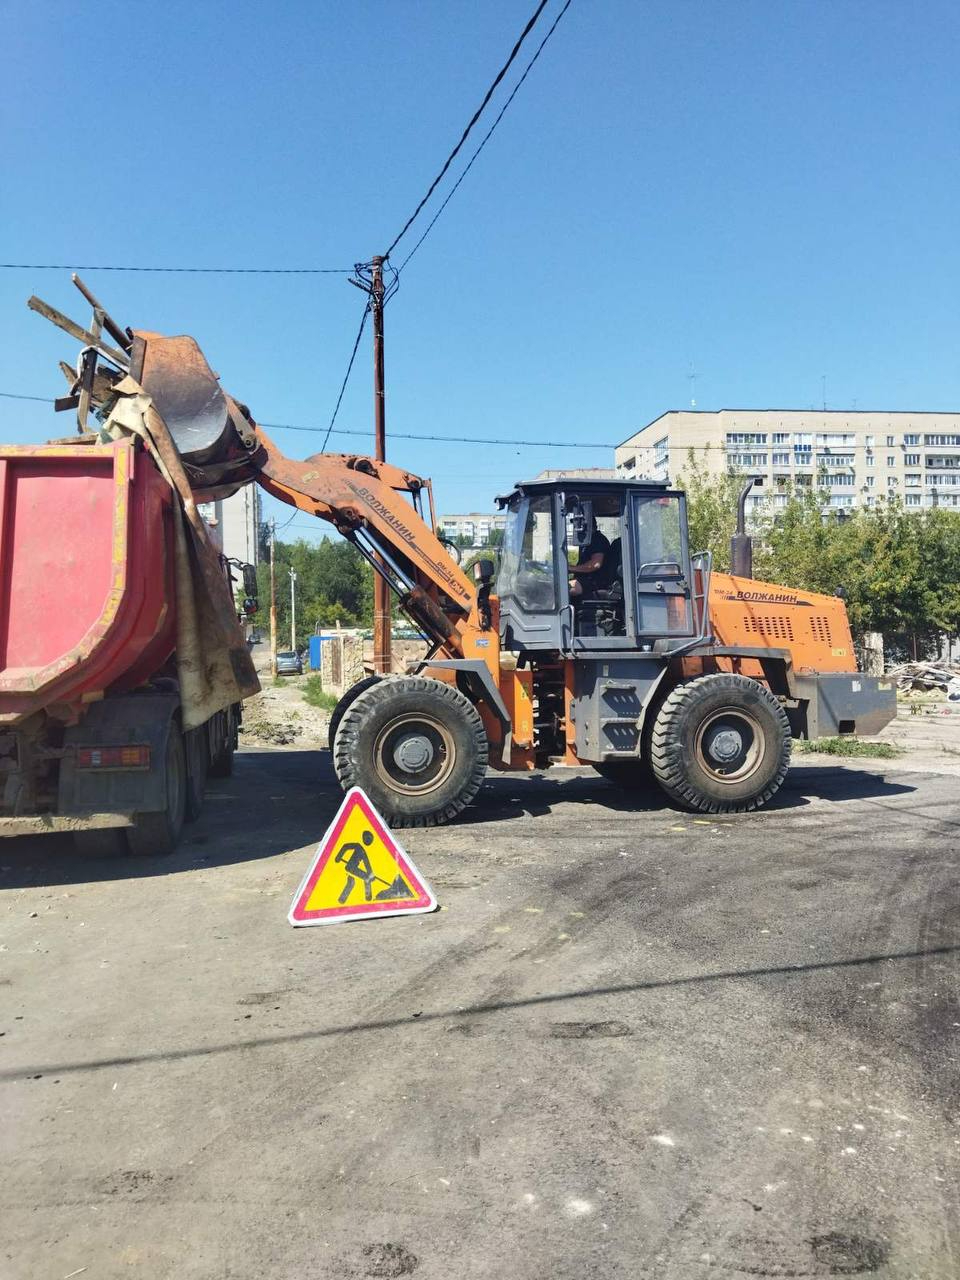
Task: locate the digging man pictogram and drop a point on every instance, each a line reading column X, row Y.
column 356, row 864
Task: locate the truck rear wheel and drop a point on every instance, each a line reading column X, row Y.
column 221, row 760
column 417, row 747
column 348, row 698
column 197, row 764
column 156, row 834
column 720, row 744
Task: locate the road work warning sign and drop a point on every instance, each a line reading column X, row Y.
column 360, row 870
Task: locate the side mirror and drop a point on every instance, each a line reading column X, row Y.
column 483, row 571
column 249, row 580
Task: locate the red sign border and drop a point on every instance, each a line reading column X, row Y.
column 422, row 902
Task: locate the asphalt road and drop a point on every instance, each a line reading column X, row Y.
column 629, row 1045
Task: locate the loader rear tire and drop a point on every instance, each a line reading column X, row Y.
column 720, row 744
column 348, row 698
column 417, row 747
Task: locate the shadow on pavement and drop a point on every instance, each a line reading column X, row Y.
column 460, row 1015
column 505, row 796
column 282, row 800
column 276, row 801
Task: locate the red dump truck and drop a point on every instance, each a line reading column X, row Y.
column 122, row 663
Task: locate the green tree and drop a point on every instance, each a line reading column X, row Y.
column 899, row 570
column 711, row 508
column 334, row 583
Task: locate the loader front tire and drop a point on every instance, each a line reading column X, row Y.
column 416, row 746
column 348, row 698
column 720, row 744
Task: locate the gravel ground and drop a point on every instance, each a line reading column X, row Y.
column 630, row 1045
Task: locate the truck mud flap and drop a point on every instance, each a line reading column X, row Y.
column 131, row 720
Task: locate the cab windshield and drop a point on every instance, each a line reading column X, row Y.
column 527, row 567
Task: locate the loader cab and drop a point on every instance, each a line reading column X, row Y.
column 637, row 598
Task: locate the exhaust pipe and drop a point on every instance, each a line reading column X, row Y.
column 741, row 544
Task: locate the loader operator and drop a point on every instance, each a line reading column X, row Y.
column 590, row 573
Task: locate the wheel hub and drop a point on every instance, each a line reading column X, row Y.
column 730, row 745
column 726, row 746
column 413, row 754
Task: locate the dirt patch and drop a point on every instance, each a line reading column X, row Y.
column 280, row 716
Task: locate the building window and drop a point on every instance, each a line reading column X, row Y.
column 912, row 500
column 891, row 460
column 952, row 441
column 747, row 459
column 868, row 441
column 629, row 463
column 781, row 459
column 661, row 451
column 841, row 500
column 842, row 481
column 890, row 440
column 781, row 437
column 912, row 479
column 870, row 460
column 911, row 439
column 870, row 480
column 911, row 459
column 746, row 437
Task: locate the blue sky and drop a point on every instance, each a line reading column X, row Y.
column 765, row 194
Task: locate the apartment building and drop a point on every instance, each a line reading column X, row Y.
column 234, row 524
column 474, row 525
column 477, row 526
column 855, row 457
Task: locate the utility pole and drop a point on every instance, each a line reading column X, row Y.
column 293, row 611
column 273, row 597
column 382, row 637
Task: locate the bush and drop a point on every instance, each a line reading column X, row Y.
column 849, row 747
column 316, row 696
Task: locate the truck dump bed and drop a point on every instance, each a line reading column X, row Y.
column 86, row 574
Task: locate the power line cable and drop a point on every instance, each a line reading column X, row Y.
column 487, row 136
column 326, row 432
column 473, row 120
column 402, row 435
column 218, row 271
column 346, row 376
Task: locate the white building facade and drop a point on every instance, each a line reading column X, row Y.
column 855, row 457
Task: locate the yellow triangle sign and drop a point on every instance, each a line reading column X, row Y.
column 359, row 870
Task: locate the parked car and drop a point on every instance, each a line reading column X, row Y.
column 289, row 663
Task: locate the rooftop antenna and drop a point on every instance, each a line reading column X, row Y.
column 692, row 379
column 823, row 389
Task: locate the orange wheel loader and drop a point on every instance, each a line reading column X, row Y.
column 654, row 668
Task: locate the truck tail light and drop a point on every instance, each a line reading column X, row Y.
column 132, row 757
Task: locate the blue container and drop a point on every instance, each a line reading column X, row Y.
column 315, row 659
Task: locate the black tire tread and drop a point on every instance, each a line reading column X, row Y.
column 346, row 744
column 345, row 702
column 156, row 835
column 666, row 749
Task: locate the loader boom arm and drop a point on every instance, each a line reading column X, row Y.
column 377, row 506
